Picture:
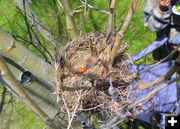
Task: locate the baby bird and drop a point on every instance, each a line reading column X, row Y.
column 84, row 64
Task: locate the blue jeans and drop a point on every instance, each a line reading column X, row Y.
column 176, row 40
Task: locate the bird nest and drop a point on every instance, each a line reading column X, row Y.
column 85, row 83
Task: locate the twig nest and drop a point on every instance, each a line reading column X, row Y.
column 82, row 73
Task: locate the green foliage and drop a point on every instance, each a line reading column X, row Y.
column 137, row 36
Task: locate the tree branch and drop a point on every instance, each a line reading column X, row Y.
column 136, row 75
column 5, row 72
column 143, row 86
column 110, row 18
column 70, row 21
column 165, row 77
column 31, row 40
column 152, row 93
column 3, row 98
column 91, row 7
column 164, row 59
column 120, row 117
column 10, row 48
column 120, row 34
column 39, row 25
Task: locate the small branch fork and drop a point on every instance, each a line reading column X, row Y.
column 135, row 75
column 31, row 32
column 168, row 75
column 120, row 34
column 42, row 29
column 161, row 61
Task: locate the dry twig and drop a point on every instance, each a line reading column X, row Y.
column 91, row 7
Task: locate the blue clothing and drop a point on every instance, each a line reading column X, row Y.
column 176, row 40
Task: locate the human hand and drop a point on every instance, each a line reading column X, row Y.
column 163, row 5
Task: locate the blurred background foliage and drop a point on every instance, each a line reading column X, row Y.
column 15, row 115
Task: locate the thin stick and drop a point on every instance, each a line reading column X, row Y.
column 164, row 59
column 65, row 104
column 110, row 18
column 165, row 77
column 84, row 21
column 135, row 75
column 91, row 7
column 74, row 112
column 29, row 29
column 152, row 93
column 120, row 34
column 40, row 26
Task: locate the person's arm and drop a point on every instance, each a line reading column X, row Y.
column 156, row 14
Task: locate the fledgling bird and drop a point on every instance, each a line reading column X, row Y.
column 84, row 64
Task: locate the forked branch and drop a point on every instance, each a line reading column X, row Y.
column 38, row 23
column 120, row 34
